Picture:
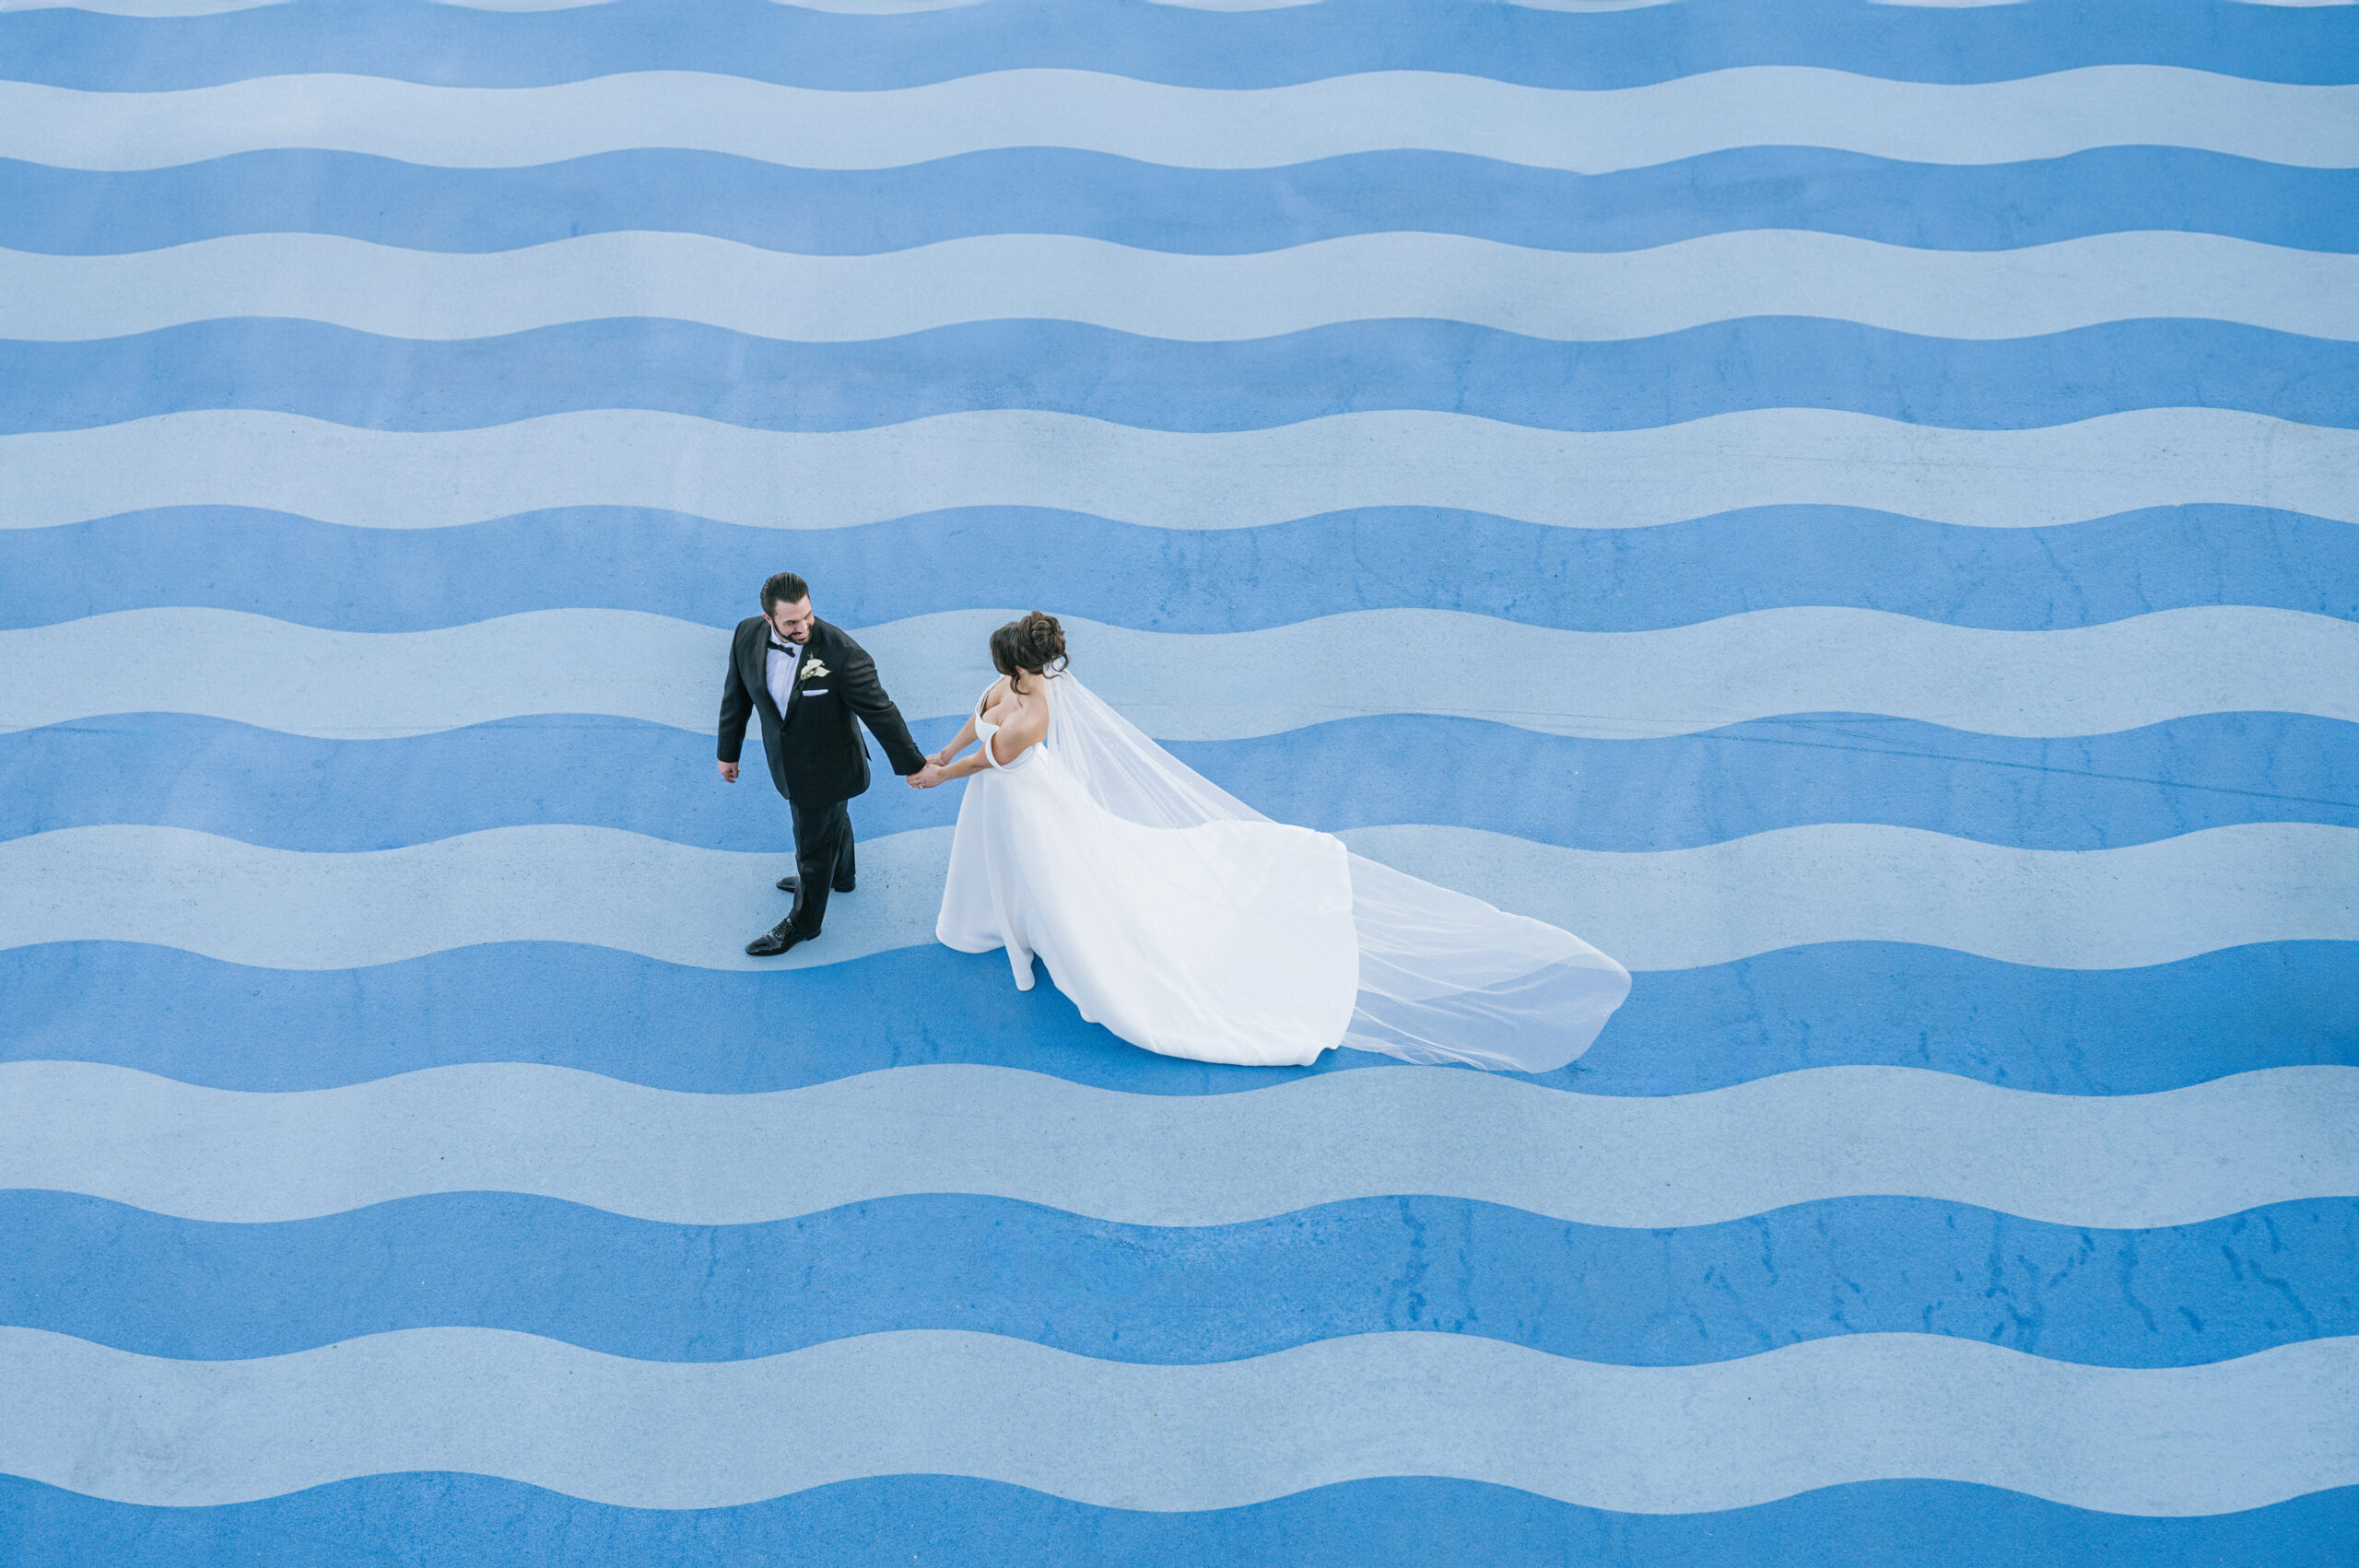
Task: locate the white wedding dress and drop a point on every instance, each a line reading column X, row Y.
column 1190, row 924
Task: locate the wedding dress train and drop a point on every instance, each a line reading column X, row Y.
column 1190, row 924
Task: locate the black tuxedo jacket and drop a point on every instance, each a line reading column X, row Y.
column 816, row 752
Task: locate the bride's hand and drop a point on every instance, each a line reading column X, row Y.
column 926, row 778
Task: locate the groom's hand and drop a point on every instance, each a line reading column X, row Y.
column 728, row 772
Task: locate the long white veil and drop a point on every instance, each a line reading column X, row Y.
column 1444, row 978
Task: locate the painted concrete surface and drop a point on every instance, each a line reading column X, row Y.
column 1847, row 506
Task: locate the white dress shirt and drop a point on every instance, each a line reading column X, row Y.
column 779, row 672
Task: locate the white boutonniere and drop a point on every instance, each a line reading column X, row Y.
column 813, row 669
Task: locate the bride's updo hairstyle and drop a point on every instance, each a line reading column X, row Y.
column 1032, row 646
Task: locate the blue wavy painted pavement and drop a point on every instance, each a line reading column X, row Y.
column 1852, row 507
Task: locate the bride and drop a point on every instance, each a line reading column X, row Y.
column 1187, row 922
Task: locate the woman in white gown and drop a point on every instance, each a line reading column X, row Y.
column 1190, row 924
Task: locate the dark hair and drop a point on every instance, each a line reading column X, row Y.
column 783, row 588
column 1029, row 646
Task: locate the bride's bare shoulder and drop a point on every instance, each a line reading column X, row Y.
column 1030, row 720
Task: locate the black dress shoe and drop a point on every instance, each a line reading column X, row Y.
column 790, row 883
column 776, row 940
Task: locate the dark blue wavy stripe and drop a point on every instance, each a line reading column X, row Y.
column 439, row 1520
column 1172, row 44
column 2090, row 792
column 2059, row 1031
column 358, row 378
column 1614, row 579
column 1056, row 191
column 2177, row 1297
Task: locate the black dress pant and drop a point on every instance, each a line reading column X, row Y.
column 822, row 859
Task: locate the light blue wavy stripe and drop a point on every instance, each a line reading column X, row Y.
column 1647, row 1161
column 1568, row 296
column 795, row 481
column 1669, row 909
column 1586, row 132
column 2089, row 680
column 2173, row 1441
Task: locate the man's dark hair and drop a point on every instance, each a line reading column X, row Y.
column 783, row 588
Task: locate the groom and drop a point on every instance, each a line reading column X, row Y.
column 807, row 680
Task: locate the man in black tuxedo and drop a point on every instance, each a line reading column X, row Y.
column 809, row 680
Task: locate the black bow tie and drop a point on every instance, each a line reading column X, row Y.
column 778, row 646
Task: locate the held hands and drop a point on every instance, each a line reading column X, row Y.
column 728, row 772
column 934, row 771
